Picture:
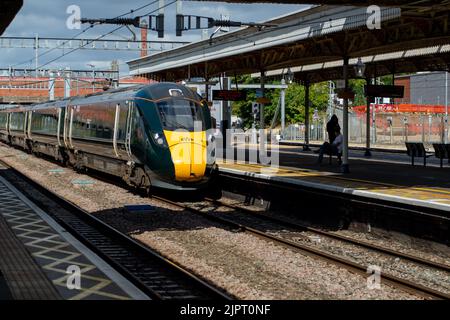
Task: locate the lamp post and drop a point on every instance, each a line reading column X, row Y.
column 331, row 109
column 287, row 78
column 360, row 68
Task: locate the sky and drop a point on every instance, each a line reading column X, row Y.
column 47, row 18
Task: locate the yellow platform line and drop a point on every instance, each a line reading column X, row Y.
column 318, row 174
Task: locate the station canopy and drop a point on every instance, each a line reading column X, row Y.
column 8, row 10
column 314, row 41
column 406, row 5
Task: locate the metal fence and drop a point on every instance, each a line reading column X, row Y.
column 387, row 129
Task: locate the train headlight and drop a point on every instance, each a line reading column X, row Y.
column 159, row 139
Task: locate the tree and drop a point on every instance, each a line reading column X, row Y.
column 357, row 85
column 294, row 99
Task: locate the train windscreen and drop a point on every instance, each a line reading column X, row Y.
column 180, row 114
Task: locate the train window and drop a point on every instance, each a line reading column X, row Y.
column 93, row 122
column 180, row 114
column 44, row 121
column 17, row 121
column 3, row 119
column 122, row 122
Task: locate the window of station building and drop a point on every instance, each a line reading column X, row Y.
column 44, row 121
column 93, row 122
column 17, row 121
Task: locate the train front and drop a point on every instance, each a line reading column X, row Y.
column 173, row 137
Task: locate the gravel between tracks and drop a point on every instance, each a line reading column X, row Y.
column 402, row 268
column 246, row 266
column 425, row 249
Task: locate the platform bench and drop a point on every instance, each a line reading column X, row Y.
column 417, row 149
column 442, row 151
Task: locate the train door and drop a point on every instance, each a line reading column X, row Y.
column 131, row 110
column 28, row 124
column 60, row 136
column 136, row 135
column 116, row 130
column 67, row 131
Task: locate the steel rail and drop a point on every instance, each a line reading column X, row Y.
column 300, row 227
column 157, row 276
column 405, row 285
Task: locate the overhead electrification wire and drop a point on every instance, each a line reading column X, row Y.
column 80, row 33
column 104, row 35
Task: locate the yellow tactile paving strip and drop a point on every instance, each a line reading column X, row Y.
column 435, row 197
column 54, row 254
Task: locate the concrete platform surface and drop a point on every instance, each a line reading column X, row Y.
column 37, row 255
column 384, row 176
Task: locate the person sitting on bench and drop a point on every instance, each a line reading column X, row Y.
column 334, row 148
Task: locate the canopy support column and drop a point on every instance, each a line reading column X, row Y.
column 306, row 145
column 283, row 108
column 345, row 165
column 262, row 135
column 368, row 153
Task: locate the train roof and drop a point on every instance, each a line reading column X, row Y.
column 110, row 95
column 153, row 91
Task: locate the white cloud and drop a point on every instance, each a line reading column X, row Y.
column 48, row 19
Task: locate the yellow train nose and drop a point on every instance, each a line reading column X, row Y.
column 188, row 151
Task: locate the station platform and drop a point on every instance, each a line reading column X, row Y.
column 36, row 252
column 384, row 176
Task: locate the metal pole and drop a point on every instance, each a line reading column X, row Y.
column 368, row 153
column 261, row 111
column 430, row 120
column 36, row 53
column 51, row 86
column 306, row 146
column 374, row 129
column 67, row 84
column 446, row 109
column 390, row 128
column 283, row 108
column 345, row 165
column 225, row 124
column 261, row 114
column 330, row 99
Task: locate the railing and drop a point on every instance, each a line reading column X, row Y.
column 386, row 130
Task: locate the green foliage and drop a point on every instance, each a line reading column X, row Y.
column 357, row 85
column 295, row 102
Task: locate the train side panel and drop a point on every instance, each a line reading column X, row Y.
column 4, row 133
column 96, row 136
column 18, row 128
column 44, row 131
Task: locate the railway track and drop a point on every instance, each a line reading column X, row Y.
column 155, row 275
column 237, row 221
column 409, row 286
column 332, row 235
